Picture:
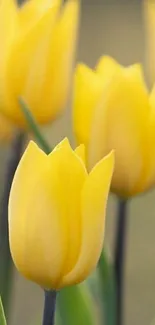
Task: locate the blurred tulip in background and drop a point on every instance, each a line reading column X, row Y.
column 114, row 110
column 37, row 56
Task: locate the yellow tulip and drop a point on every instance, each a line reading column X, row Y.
column 57, row 214
column 149, row 16
column 113, row 109
column 38, row 44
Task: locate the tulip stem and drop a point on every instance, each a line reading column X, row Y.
column 49, row 307
column 120, row 256
column 34, row 127
column 6, row 270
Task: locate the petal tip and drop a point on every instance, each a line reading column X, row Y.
column 80, row 152
column 32, row 147
column 63, row 144
column 110, row 157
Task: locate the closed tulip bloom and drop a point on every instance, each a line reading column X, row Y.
column 114, row 110
column 38, row 44
column 57, row 215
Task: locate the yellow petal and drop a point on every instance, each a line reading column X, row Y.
column 152, row 97
column 88, row 88
column 80, row 151
column 63, row 144
column 8, row 27
column 67, row 176
column 41, row 63
column 149, row 180
column 87, row 92
column 29, row 50
column 23, row 224
column 121, row 123
column 44, row 223
column 93, row 206
column 52, row 91
column 107, row 67
column 31, row 11
column 59, row 62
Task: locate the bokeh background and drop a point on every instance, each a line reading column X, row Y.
column 116, row 28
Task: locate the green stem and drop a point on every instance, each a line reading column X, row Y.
column 108, row 289
column 33, row 126
column 2, row 315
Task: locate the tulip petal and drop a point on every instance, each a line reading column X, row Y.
column 20, row 217
column 8, row 29
column 47, row 52
column 80, row 151
column 107, row 67
column 32, row 11
column 56, row 67
column 67, row 174
column 88, row 88
column 47, row 212
column 32, row 47
column 121, row 123
column 8, row 21
column 93, row 205
column 59, row 64
column 149, row 179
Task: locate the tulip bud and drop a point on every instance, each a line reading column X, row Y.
column 113, row 110
column 36, row 58
column 57, row 215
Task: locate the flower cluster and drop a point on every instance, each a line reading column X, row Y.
column 58, row 201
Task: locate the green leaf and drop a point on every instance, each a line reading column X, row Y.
column 76, row 306
column 58, row 319
column 33, row 126
column 2, row 316
column 107, row 289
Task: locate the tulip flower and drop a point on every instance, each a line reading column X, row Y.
column 38, row 44
column 114, row 110
column 57, row 215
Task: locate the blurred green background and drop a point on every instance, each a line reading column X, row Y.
column 113, row 27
